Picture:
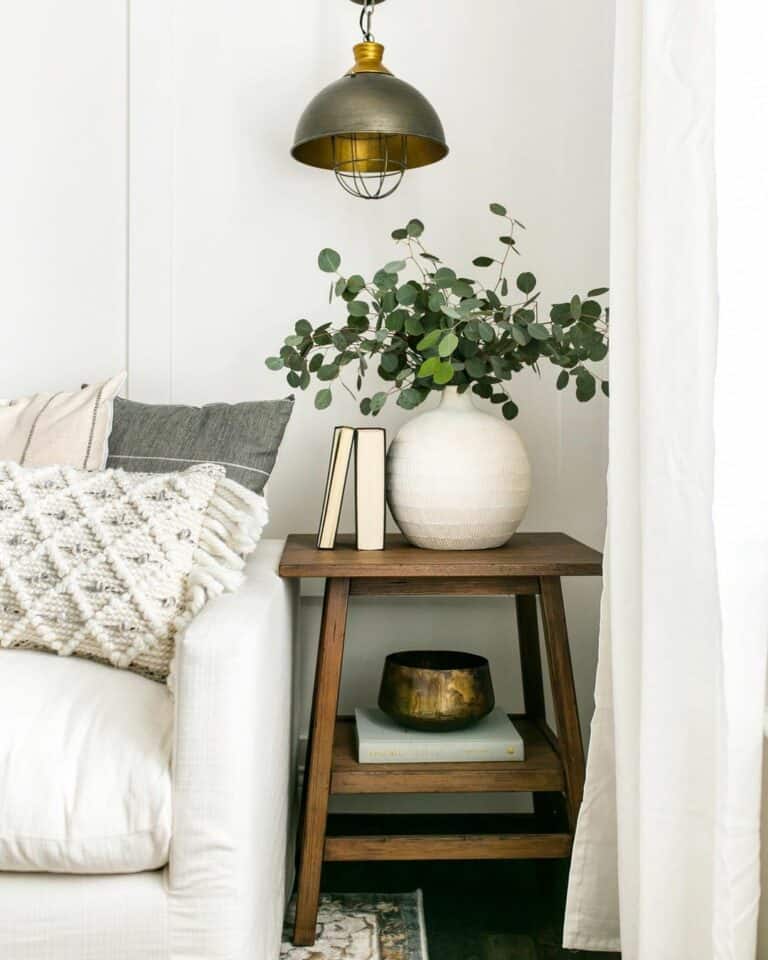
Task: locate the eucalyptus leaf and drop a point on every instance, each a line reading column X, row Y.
column 377, row 402
column 323, row 399
column 483, row 261
column 444, row 373
column 390, row 362
column 384, row 280
column 562, row 380
column 475, row 367
column 406, row 295
column 410, row 398
column 538, row 331
column 328, row 260
column 498, row 209
column 510, row 410
column 448, row 344
column 436, row 301
column 357, row 308
column 461, row 288
column 429, row 367
column 429, row 340
column 585, row 385
column 395, row 266
column 526, row 282
column 415, row 228
column 413, row 326
column 576, row 307
column 597, row 292
column 444, row 277
column 486, row 331
column 274, row 363
column 591, row 310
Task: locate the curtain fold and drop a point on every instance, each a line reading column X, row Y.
column 666, row 855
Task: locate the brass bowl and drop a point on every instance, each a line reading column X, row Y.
column 436, row 689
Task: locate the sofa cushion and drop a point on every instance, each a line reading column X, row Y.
column 85, row 782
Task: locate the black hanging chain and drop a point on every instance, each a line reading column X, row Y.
column 366, row 16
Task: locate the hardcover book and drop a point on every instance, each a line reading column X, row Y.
column 370, row 453
column 341, row 454
column 381, row 740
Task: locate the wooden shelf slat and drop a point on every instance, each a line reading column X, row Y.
column 450, row 847
column 540, row 771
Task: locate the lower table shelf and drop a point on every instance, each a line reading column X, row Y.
column 442, row 837
column 540, row 771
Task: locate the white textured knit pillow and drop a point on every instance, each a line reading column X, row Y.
column 70, row 428
column 110, row 565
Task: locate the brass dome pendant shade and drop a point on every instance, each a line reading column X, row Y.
column 369, row 127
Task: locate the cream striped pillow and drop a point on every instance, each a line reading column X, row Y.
column 69, row 429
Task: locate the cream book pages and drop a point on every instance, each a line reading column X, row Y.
column 381, row 740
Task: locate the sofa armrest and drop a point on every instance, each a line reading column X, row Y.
column 233, row 769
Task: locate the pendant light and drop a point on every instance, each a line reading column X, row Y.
column 369, row 127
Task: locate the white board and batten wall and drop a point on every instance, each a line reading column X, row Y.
column 151, row 217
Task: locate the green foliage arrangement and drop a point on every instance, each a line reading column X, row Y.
column 438, row 329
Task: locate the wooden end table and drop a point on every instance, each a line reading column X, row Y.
column 530, row 565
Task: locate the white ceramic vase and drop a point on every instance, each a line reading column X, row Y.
column 457, row 478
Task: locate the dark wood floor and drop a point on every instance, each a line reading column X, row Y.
column 476, row 910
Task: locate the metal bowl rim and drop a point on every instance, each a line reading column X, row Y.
column 465, row 661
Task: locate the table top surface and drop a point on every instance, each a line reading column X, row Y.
column 525, row 555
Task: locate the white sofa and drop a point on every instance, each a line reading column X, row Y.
column 136, row 826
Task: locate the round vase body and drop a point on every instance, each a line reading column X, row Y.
column 457, row 478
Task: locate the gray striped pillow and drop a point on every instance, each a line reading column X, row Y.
column 158, row 438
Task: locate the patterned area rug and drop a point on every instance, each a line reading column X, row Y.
column 363, row 926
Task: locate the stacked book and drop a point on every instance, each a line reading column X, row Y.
column 381, row 740
column 368, row 447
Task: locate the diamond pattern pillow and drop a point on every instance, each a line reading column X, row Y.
column 111, row 565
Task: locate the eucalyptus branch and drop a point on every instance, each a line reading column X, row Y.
column 444, row 330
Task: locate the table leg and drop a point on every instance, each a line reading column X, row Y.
column 547, row 806
column 530, row 655
column 563, row 692
column 325, row 700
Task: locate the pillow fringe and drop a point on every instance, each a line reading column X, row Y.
column 239, row 518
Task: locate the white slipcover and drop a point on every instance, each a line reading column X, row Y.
column 222, row 894
column 85, row 775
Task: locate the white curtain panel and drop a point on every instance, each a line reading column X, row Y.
column 666, row 856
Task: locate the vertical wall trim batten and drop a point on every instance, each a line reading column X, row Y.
column 150, row 191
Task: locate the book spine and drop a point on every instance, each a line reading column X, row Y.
column 469, row 753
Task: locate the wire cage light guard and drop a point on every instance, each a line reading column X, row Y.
column 370, row 166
